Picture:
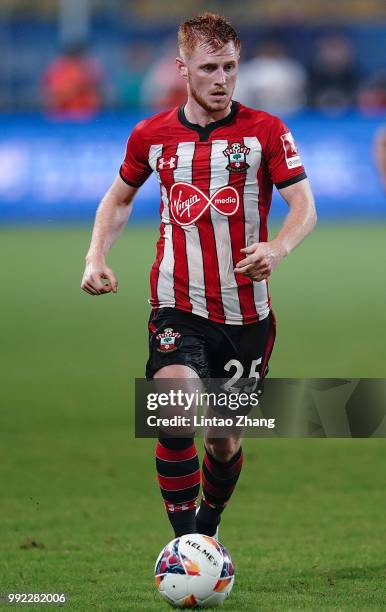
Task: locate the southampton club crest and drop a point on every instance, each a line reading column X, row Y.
column 236, row 155
column 168, row 340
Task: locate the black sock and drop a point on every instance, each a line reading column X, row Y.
column 218, row 482
column 178, row 473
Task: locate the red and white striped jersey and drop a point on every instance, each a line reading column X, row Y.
column 216, row 189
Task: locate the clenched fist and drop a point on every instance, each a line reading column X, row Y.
column 94, row 279
column 262, row 258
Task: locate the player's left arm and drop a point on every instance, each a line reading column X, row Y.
column 263, row 257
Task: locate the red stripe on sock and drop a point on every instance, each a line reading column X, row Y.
column 226, row 471
column 236, row 468
column 176, row 483
column 168, row 454
column 221, row 492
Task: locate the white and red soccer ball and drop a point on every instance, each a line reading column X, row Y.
column 194, row 571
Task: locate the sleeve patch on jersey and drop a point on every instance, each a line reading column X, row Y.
column 292, row 156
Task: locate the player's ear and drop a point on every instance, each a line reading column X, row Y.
column 182, row 68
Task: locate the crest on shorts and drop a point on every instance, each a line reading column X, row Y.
column 236, row 154
column 168, row 340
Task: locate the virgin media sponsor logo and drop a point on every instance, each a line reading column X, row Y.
column 188, row 203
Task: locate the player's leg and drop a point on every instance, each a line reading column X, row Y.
column 251, row 346
column 178, row 468
column 177, row 350
column 221, row 469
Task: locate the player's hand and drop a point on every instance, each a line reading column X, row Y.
column 98, row 279
column 260, row 261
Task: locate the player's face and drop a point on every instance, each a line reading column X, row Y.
column 211, row 76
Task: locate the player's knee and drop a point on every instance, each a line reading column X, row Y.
column 176, row 371
column 222, row 449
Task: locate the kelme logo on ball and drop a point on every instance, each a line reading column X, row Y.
column 188, row 203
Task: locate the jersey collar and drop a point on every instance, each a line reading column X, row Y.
column 205, row 132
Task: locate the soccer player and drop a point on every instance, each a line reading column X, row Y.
column 216, row 162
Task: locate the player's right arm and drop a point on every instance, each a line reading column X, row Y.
column 113, row 213
column 111, row 217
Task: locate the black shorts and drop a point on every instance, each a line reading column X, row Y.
column 212, row 350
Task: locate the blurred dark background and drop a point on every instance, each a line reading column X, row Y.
column 332, row 54
column 75, row 75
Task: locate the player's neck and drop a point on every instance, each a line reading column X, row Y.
column 196, row 114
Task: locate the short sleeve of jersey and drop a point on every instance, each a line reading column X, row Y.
column 284, row 164
column 135, row 168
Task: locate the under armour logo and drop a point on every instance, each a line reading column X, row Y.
column 170, row 163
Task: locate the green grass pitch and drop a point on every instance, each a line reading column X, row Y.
column 80, row 510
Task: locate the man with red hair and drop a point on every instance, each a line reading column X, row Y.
column 216, row 162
